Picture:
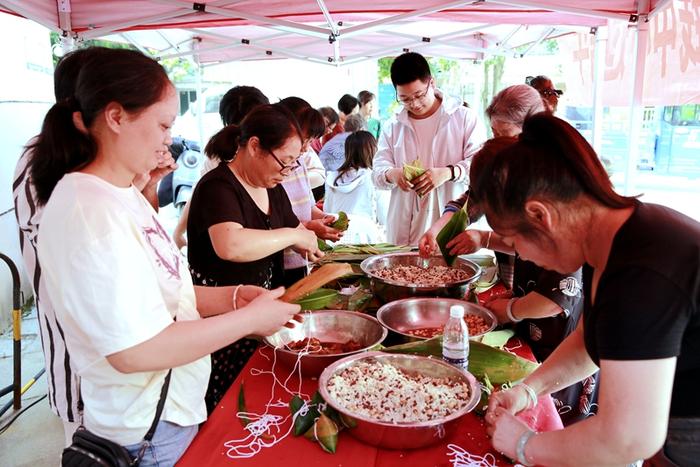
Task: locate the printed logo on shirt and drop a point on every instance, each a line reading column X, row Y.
column 166, row 256
column 570, row 287
column 535, row 332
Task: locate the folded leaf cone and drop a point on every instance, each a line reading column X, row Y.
column 326, row 433
column 342, row 222
column 323, row 245
column 457, row 224
column 413, row 169
column 303, row 422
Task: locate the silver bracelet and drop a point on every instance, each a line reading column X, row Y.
column 509, row 310
column 520, row 447
column 531, row 394
column 235, row 296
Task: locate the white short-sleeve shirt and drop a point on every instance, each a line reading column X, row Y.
column 116, row 279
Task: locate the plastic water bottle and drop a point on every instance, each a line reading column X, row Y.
column 455, row 339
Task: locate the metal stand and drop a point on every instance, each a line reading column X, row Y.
column 16, row 388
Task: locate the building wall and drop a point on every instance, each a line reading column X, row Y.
column 26, row 93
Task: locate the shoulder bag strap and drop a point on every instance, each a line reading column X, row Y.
column 159, row 408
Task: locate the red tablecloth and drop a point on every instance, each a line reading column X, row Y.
column 208, row 447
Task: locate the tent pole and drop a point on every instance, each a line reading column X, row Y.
column 67, row 44
column 198, row 89
column 601, row 41
column 531, row 4
column 641, row 35
column 364, row 28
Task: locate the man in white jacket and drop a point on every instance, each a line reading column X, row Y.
column 433, row 128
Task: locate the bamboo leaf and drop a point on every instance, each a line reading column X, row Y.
column 317, row 279
column 497, row 338
column 241, row 406
column 456, row 225
column 318, row 299
column 500, row 366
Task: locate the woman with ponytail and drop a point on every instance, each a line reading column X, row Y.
column 550, row 199
column 121, row 293
column 543, row 306
column 241, row 220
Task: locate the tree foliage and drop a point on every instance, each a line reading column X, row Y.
column 177, row 68
column 438, row 67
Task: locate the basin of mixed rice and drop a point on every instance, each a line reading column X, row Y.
column 383, row 392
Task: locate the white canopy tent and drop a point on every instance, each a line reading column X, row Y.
column 335, row 32
column 342, row 32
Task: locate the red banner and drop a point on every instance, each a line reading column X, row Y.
column 672, row 72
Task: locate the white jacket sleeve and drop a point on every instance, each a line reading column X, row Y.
column 473, row 138
column 383, row 160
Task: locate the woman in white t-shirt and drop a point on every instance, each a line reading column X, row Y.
column 121, row 289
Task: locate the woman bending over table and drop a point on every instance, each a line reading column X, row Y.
column 120, row 289
column 241, row 221
column 545, row 306
column 550, row 199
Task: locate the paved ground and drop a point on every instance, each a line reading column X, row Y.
column 36, row 437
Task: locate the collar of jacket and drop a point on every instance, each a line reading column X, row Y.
column 449, row 106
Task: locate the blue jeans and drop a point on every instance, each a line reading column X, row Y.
column 167, row 446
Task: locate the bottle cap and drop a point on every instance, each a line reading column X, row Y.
column 456, row 311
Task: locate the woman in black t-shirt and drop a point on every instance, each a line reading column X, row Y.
column 545, row 305
column 241, row 221
column 549, row 197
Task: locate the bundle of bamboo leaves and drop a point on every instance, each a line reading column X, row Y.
column 358, row 251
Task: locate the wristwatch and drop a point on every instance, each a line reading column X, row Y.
column 452, row 172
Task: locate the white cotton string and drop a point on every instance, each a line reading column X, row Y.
column 507, row 385
column 296, row 369
column 462, row 458
column 440, row 432
column 262, row 433
column 263, row 430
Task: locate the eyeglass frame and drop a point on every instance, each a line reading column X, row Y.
column 551, row 93
column 285, row 169
column 411, row 100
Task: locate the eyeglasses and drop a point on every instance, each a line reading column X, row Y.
column 551, row 92
column 417, row 97
column 285, row 169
